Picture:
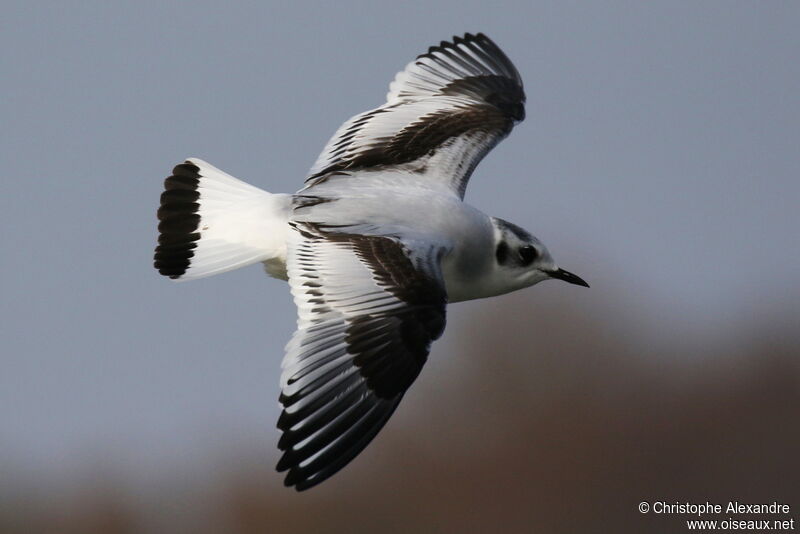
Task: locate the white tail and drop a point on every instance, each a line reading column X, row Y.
column 210, row 223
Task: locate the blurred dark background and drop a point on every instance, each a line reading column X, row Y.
column 555, row 419
column 659, row 161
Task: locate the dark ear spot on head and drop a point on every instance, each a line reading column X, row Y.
column 502, row 252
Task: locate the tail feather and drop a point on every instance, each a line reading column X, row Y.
column 210, row 223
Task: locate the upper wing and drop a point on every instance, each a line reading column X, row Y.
column 368, row 310
column 443, row 113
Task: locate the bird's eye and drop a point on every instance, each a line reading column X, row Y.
column 528, row 254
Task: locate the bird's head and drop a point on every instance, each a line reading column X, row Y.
column 521, row 260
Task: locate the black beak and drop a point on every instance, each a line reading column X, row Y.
column 567, row 276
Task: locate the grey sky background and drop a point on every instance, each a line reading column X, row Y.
column 659, row 161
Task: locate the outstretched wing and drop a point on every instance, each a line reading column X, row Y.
column 442, row 115
column 368, row 310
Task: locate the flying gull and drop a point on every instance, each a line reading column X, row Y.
column 374, row 246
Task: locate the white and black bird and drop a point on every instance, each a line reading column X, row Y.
column 374, row 246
